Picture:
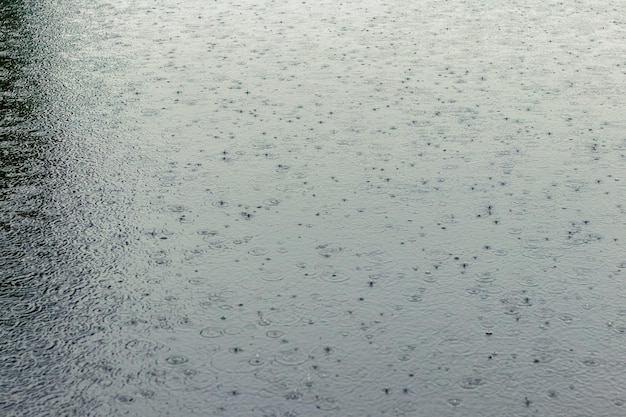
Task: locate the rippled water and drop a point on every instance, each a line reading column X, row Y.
column 288, row 208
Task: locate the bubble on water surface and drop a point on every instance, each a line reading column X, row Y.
column 455, row 402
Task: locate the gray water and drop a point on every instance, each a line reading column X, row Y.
column 294, row 208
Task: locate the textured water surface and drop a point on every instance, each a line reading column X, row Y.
column 288, row 208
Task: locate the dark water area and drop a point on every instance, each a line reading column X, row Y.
column 287, row 208
column 63, row 230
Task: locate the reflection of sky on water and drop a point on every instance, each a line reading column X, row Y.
column 293, row 208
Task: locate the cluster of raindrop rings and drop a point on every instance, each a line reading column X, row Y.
column 279, row 233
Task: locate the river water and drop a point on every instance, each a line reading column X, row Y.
column 295, row 208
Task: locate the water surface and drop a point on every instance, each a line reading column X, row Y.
column 299, row 209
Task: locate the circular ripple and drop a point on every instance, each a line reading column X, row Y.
column 287, row 315
column 124, row 398
column 485, row 277
column 540, row 253
column 528, row 281
column 544, row 353
column 457, row 346
column 471, row 382
column 21, row 309
column 269, row 411
column 555, row 287
column 207, row 232
column 592, row 361
column 271, row 275
column 218, row 245
column 328, row 250
column 436, row 254
column 291, row 357
column 160, row 257
column 256, row 361
column 581, row 276
column 211, row 332
column 176, row 360
column 274, row 334
column 177, row 208
column 545, row 313
column 220, row 203
column 237, row 361
column 146, row 347
column 271, row 202
column 328, row 354
column 511, row 309
column 258, row 251
column 331, row 273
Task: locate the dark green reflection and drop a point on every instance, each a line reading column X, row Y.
column 20, row 143
column 37, row 332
